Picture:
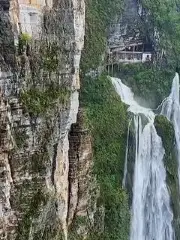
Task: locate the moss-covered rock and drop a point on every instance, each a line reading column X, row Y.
column 20, row 137
column 35, row 202
column 37, row 102
column 165, row 130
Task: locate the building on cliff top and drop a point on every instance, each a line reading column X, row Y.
column 127, row 43
column 134, row 52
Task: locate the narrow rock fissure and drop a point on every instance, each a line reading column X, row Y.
column 55, row 147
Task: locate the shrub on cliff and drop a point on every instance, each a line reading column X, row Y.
column 165, row 130
column 38, row 102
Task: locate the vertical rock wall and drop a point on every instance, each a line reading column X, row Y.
column 83, row 188
column 34, row 149
column 127, row 28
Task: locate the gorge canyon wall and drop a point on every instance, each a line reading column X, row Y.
column 40, row 50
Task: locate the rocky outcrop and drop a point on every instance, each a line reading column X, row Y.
column 83, row 188
column 41, row 45
column 80, row 160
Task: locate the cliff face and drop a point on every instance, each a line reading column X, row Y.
column 40, row 43
column 127, row 28
column 134, row 27
column 85, row 217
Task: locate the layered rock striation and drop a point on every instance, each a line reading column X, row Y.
column 40, row 50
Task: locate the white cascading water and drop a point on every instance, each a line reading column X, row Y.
column 126, row 158
column 171, row 109
column 151, row 212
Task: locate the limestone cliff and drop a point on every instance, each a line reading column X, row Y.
column 85, row 217
column 40, row 50
column 127, row 28
column 132, row 28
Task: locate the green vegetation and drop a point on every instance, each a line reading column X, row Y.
column 78, row 223
column 20, row 136
column 38, row 161
column 164, row 17
column 166, row 131
column 106, row 115
column 34, row 224
column 99, row 14
column 49, row 56
column 25, row 38
column 31, row 204
column 107, row 118
column 39, row 101
column 150, row 84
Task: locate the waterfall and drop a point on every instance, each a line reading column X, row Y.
column 126, row 157
column 151, row 213
column 171, row 109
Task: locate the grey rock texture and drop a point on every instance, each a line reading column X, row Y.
column 127, row 28
column 83, row 188
column 38, row 198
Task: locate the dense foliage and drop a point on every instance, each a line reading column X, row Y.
column 166, row 131
column 99, row 14
column 107, row 118
column 163, row 19
column 106, row 114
